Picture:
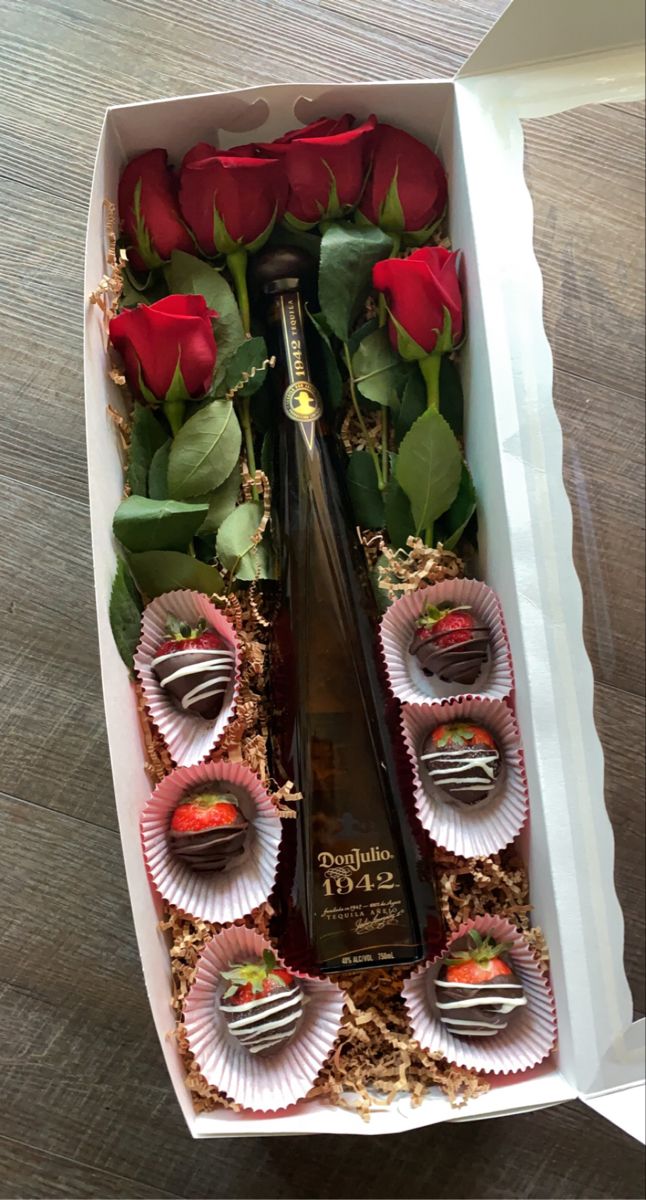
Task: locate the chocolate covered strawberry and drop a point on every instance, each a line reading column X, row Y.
column 262, row 1005
column 194, row 664
column 208, row 830
column 477, row 991
column 463, row 761
column 450, row 643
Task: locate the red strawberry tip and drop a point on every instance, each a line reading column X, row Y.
column 458, row 734
column 433, row 613
column 257, row 975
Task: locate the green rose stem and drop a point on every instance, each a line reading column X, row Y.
column 174, row 412
column 430, row 368
column 355, row 402
column 382, row 314
column 237, row 264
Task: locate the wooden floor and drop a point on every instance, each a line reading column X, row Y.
column 86, row 1108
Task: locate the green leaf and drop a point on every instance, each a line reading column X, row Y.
column 455, row 521
column 187, row 274
column 159, row 571
column 378, row 369
column 133, row 293
column 399, row 518
column 429, row 465
column 158, row 472
column 247, row 358
column 204, row 452
column 409, row 349
column 146, row 438
column 221, row 502
column 141, row 524
column 125, row 614
column 333, row 391
column 348, row 255
column 391, row 214
column 362, row 332
column 413, row 403
column 451, row 398
column 367, row 500
column 235, row 548
column 142, row 234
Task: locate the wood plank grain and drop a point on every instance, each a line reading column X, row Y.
column 621, row 720
column 26, row 1171
column 53, row 746
column 585, row 170
column 603, row 464
column 588, row 236
column 448, row 32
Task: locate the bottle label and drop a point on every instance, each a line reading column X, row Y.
column 361, row 897
column 302, row 402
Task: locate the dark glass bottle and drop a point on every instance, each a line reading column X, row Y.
column 353, row 892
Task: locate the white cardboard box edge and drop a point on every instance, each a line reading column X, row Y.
column 105, row 485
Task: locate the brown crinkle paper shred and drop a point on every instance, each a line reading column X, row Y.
column 375, row 1058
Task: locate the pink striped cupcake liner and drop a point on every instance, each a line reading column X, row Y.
column 482, row 830
column 257, row 1083
column 216, row 896
column 530, row 1035
column 408, row 681
column 189, row 738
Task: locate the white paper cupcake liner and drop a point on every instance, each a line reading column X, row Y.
column 531, row 1033
column 258, row 1084
column 479, row 831
column 189, row 738
column 407, row 679
column 217, row 896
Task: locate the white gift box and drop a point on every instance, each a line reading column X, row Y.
column 542, row 56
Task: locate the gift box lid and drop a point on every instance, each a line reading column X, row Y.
column 541, row 58
column 540, row 31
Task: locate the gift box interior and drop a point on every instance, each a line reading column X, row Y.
column 525, row 67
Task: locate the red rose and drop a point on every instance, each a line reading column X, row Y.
column 326, row 165
column 324, row 127
column 406, row 191
column 230, row 200
column 424, row 301
column 149, row 211
column 169, row 351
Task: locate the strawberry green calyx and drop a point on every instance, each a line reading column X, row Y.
column 181, row 631
column 482, row 951
column 208, row 799
column 432, row 614
column 456, row 735
column 253, row 973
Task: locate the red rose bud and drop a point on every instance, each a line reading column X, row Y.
column 424, row 301
column 231, row 200
column 149, row 212
column 326, row 171
column 168, row 350
column 324, row 127
column 406, row 192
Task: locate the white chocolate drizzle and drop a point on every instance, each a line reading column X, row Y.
column 217, row 665
column 254, row 1025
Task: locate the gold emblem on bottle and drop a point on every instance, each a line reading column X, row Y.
column 302, row 402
